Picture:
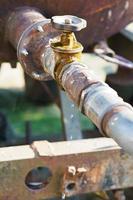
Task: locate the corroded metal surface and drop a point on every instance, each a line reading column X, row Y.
column 20, row 20
column 105, row 52
column 99, row 102
column 93, row 97
column 75, row 81
column 29, row 32
column 109, row 17
column 75, row 162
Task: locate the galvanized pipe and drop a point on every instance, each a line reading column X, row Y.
column 120, row 128
column 94, row 98
column 100, row 103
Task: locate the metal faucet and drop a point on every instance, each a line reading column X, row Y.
column 65, row 48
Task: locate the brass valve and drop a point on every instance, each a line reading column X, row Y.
column 67, row 42
column 66, row 47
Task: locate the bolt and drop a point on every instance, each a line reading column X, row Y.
column 40, row 29
column 126, row 5
column 72, row 170
column 68, row 21
column 109, row 14
column 35, row 75
column 63, row 196
column 84, row 182
column 24, row 52
column 81, row 170
column 72, row 82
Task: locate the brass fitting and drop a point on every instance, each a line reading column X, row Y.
column 66, row 47
column 66, row 50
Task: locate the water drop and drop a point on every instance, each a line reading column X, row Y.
column 72, row 105
column 72, row 116
column 71, row 137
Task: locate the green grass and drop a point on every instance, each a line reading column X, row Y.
column 44, row 119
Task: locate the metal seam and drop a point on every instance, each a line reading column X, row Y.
column 109, row 114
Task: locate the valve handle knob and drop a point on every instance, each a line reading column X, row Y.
column 68, row 23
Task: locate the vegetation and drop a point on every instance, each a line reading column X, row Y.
column 44, row 119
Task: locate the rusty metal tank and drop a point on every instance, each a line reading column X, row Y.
column 104, row 18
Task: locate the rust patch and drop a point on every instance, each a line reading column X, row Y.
column 100, row 28
column 75, row 79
